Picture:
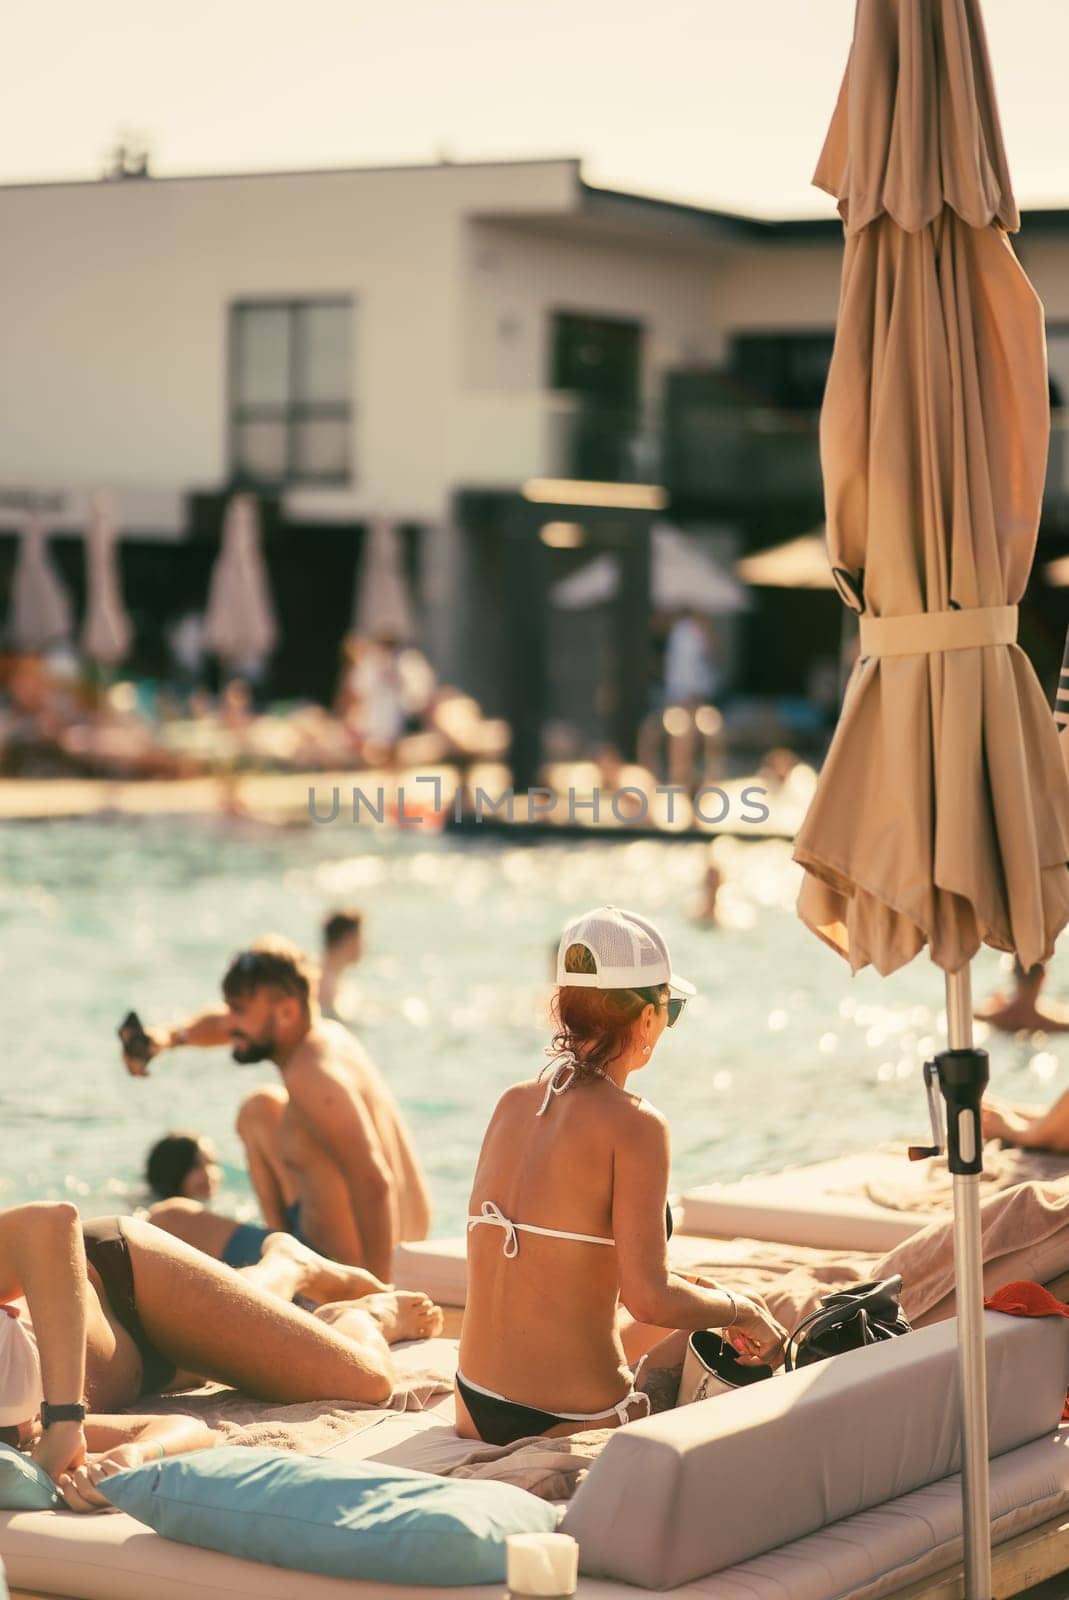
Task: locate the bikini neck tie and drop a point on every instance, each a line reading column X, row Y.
column 558, row 1083
column 494, row 1214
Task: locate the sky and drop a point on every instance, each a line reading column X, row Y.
column 717, row 102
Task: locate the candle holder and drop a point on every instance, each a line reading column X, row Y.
column 542, row 1565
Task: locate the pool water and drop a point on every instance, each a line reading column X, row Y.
column 782, row 1058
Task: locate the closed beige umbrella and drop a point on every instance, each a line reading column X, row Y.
column 942, row 814
column 106, row 631
column 1061, row 704
column 40, row 606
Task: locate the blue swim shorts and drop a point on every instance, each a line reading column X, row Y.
column 245, row 1245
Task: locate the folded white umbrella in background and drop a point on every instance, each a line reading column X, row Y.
column 40, row 613
column 383, row 607
column 106, row 632
column 683, row 577
column 240, row 625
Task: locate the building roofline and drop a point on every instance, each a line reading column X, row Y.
column 706, row 218
column 592, row 199
column 292, row 172
column 1053, row 218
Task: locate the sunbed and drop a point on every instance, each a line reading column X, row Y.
column 868, row 1201
column 652, row 1502
column 827, row 1204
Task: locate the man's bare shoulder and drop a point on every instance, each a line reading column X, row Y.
column 346, row 1050
column 329, row 1052
column 314, row 1060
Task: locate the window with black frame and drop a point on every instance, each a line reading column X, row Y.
column 291, row 391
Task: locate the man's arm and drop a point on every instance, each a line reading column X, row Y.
column 42, row 1257
column 205, row 1030
column 118, row 1443
column 339, row 1119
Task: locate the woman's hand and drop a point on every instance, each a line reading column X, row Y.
column 79, row 1487
column 60, row 1448
column 755, row 1334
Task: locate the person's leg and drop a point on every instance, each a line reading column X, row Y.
column 258, row 1125
column 288, row 1267
column 660, row 1371
column 399, row 1313
column 211, row 1321
column 1022, row 1011
column 194, row 1224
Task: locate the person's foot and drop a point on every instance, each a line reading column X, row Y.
column 399, row 1313
column 1023, row 1012
column 320, row 1279
column 1011, row 1124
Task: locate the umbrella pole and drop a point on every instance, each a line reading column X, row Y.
column 963, row 1074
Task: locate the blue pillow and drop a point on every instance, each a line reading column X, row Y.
column 341, row 1519
column 24, row 1486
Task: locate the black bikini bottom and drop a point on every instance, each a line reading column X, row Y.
column 503, row 1421
column 108, row 1253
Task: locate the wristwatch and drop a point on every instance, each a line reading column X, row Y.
column 50, row 1414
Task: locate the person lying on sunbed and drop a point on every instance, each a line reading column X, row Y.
column 569, row 1217
column 114, row 1309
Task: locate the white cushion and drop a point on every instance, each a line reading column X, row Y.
column 709, row 1485
column 879, row 1552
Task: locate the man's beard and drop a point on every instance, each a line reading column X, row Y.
column 250, row 1051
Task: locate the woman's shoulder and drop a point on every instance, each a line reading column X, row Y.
column 518, row 1093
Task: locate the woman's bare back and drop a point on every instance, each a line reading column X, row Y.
column 540, row 1325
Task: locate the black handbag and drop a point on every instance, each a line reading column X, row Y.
column 849, row 1320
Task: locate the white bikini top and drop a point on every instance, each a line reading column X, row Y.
column 493, row 1214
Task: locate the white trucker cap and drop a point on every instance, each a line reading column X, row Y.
column 628, row 952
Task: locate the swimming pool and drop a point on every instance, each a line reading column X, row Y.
column 782, row 1058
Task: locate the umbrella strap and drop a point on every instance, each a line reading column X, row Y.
column 930, row 631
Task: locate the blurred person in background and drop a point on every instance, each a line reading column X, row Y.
column 706, row 910
column 343, row 948
column 1021, row 1011
column 183, row 1164
column 370, row 698
column 690, row 675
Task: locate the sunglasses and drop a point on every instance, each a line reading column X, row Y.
column 676, row 1005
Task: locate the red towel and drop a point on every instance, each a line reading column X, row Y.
column 1028, row 1300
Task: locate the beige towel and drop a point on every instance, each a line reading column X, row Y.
column 308, row 1428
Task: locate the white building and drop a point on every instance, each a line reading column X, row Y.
column 372, row 342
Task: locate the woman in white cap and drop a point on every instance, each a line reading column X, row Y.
column 93, row 1316
column 569, row 1218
